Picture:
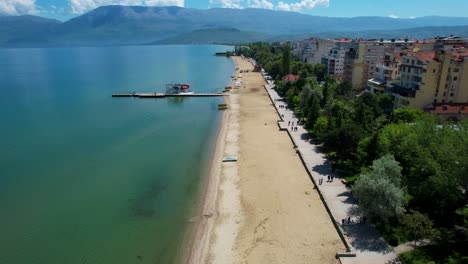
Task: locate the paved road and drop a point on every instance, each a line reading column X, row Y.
column 364, row 240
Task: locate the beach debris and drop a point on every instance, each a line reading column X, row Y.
column 222, row 107
column 230, row 159
column 209, row 215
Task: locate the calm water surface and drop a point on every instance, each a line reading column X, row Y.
column 86, row 178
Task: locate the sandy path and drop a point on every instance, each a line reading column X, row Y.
column 267, row 208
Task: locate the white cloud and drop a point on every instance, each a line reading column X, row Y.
column 81, row 6
column 227, row 3
column 302, row 5
column 295, row 6
column 260, row 4
column 412, row 17
column 393, row 16
column 17, row 7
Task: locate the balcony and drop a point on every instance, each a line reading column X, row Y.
column 402, row 91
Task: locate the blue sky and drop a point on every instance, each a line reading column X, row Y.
column 65, row 9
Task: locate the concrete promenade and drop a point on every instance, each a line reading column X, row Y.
column 363, row 240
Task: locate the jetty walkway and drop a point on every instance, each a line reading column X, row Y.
column 161, row 95
column 363, row 242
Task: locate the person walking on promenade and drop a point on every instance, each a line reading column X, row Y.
column 289, row 123
column 349, row 220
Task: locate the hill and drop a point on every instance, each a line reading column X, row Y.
column 415, row 33
column 216, row 36
column 117, row 25
column 16, row 28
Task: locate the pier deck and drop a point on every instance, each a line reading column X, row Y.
column 160, row 95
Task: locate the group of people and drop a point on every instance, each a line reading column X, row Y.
column 329, row 179
column 281, row 106
column 362, row 221
column 293, row 128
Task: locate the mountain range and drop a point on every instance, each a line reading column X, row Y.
column 126, row 25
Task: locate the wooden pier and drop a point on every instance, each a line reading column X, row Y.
column 161, row 95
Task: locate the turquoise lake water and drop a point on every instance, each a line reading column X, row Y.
column 87, row 178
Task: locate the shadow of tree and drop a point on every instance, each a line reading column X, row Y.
column 305, row 136
column 323, row 169
column 349, row 199
column 365, row 238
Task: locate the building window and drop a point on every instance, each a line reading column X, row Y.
column 451, row 94
column 433, row 71
column 455, row 78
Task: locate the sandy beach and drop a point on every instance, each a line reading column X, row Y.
column 263, row 208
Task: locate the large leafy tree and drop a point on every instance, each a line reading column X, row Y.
column 417, row 226
column 379, row 190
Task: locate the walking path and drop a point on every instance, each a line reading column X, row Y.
column 362, row 240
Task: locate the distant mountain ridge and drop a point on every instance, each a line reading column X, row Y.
column 119, row 25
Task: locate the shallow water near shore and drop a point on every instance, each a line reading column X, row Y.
column 86, row 178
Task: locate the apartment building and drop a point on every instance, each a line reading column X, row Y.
column 313, row 50
column 431, row 79
column 334, row 61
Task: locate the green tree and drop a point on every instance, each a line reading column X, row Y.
column 320, row 128
column 417, row 226
column 379, row 190
column 313, row 111
column 286, row 60
column 319, row 72
column 344, row 89
column 406, row 115
column 344, row 140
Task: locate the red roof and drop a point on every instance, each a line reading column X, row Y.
column 460, row 56
column 397, row 55
column 450, row 109
column 291, row 77
column 422, row 56
column 343, row 40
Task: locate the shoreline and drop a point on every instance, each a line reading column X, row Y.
column 197, row 247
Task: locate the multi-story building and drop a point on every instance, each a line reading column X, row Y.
column 449, row 44
column 312, row 50
column 386, row 73
column 432, row 78
column 421, row 74
column 334, row 61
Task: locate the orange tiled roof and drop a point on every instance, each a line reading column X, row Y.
column 291, row 77
column 442, row 109
column 459, row 56
column 397, row 55
column 422, row 56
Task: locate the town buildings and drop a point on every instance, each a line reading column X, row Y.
column 428, row 74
